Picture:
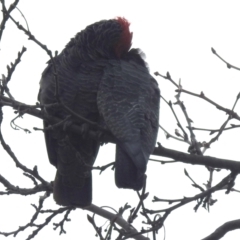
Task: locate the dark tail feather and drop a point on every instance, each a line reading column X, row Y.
column 68, row 194
column 73, row 181
column 126, row 173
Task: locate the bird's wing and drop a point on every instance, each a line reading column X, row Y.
column 128, row 100
column 71, row 153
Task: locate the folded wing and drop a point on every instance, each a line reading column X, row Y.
column 128, row 101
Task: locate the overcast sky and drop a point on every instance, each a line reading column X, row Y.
column 176, row 36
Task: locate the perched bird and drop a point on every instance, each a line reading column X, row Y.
column 102, row 80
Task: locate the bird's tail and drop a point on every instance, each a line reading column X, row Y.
column 73, row 181
column 126, row 173
column 66, row 193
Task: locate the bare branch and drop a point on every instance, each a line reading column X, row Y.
column 228, row 64
column 212, row 131
column 6, row 15
column 228, row 179
column 168, row 77
column 11, row 189
column 201, row 95
column 33, row 172
column 130, row 230
column 168, row 135
column 185, row 138
column 198, row 160
column 222, row 230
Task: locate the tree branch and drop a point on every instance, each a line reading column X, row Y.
column 227, row 180
column 130, row 230
column 222, row 230
column 159, row 151
column 228, row 64
column 198, row 160
column 6, row 15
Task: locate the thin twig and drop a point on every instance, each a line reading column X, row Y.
column 201, row 195
column 228, row 64
column 168, row 77
column 201, row 95
column 119, row 220
column 6, row 16
column 168, row 135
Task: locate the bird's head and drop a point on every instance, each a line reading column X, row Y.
column 105, row 39
column 124, row 42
